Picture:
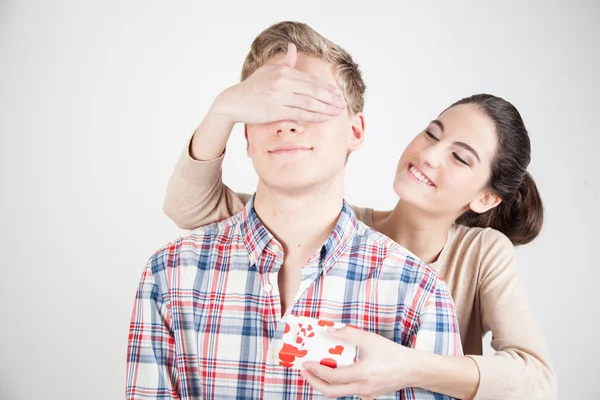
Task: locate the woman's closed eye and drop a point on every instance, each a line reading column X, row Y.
column 432, row 136
column 460, row 160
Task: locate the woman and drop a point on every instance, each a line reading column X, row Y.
column 466, row 199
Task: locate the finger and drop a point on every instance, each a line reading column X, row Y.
column 339, row 375
column 327, row 389
column 298, row 114
column 310, row 78
column 350, row 335
column 319, row 93
column 310, row 104
column 291, row 56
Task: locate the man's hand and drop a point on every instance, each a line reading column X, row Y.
column 277, row 92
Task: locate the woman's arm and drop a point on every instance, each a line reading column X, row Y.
column 521, row 367
column 454, row 376
column 390, row 366
column 196, row 195
column 386, row 366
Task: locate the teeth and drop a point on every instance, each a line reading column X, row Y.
column 417, row 174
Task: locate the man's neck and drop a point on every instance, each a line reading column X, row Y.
column 300, row 221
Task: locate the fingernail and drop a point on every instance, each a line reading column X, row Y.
column 330, row 330
column 306, row 367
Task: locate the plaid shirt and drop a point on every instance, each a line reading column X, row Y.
column 207, row 322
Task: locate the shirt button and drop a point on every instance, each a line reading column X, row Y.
column 268, row 287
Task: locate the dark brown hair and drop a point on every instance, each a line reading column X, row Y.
column 520, row 215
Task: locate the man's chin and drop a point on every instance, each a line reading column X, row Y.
column 291, row 185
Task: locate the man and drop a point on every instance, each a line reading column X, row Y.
column 212, row 306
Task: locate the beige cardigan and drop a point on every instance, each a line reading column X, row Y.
column 477, row 264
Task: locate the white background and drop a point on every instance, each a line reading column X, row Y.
column 97, row 100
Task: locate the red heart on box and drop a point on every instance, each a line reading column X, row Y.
column 329, row 362
column 336, row 350
column 325, row 323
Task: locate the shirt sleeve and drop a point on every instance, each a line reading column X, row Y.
column 196, row 195
column 521, row 367
column 151, row 367
column 437, row 331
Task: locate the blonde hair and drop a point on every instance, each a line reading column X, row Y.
column 274, row 40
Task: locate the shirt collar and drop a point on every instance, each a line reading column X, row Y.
column 344, row 231
column 256, row 237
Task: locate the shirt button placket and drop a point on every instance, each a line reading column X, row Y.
column 268, row 287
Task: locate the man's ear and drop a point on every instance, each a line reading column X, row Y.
column 358, row 132
column 485, row 202
column 247, row 143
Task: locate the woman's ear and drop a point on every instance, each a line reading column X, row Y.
column 485, row 202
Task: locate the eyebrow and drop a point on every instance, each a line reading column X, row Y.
column 438, row 123
column 459, row 144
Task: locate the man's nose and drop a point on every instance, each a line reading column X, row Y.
column 283, row 127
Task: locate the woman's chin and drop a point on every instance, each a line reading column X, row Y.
column 411, row 190
column 420, row 197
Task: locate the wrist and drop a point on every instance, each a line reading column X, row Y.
column 451, row 375
column 219, row 121
column 424, row 368
column 220, row 110
column 210, row 138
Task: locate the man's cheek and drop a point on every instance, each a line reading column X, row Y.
column 251, row 149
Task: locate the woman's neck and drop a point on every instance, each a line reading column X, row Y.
column 423, row 234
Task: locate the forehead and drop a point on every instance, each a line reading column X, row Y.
column 311, row 65
column 469, row 124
